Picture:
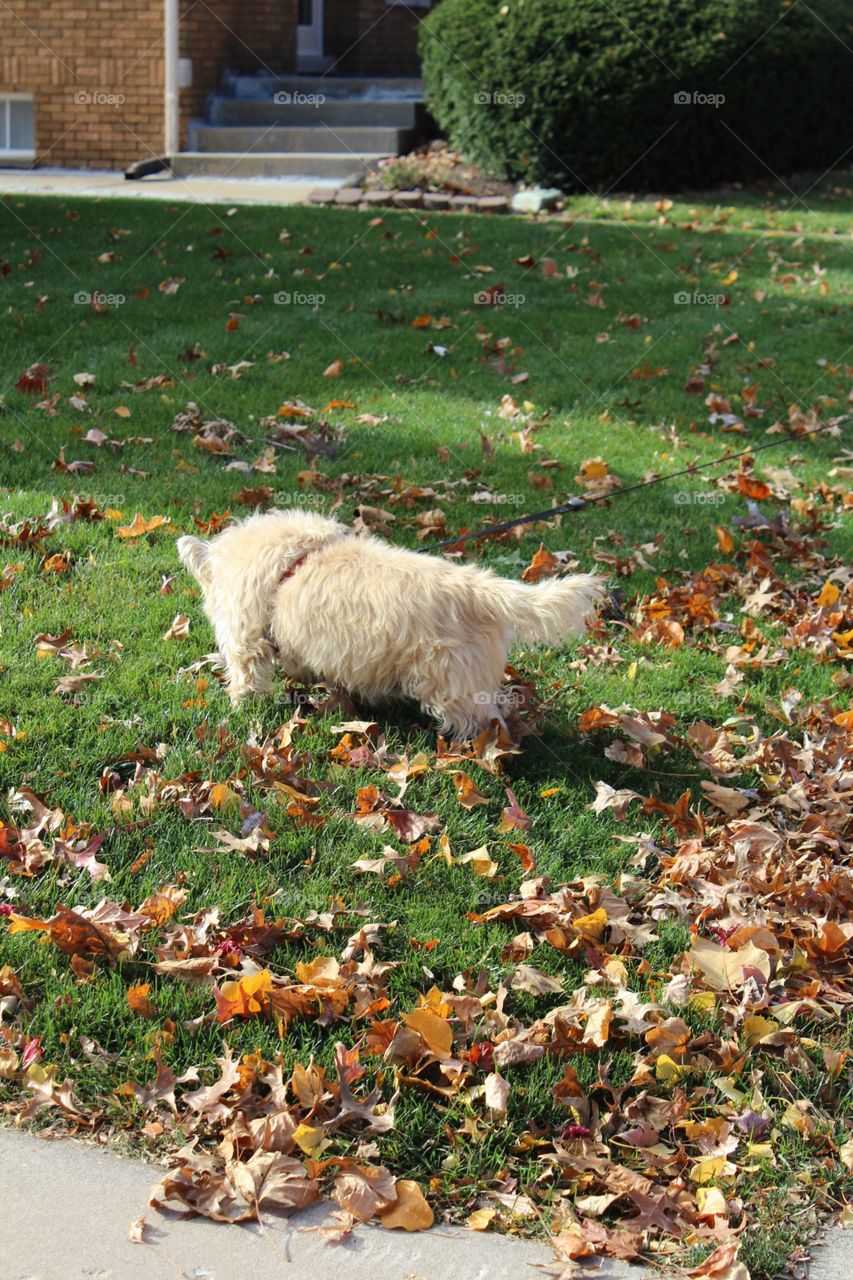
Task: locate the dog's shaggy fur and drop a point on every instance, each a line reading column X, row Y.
column 294, row 589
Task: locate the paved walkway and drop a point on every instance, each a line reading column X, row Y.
column 204, row 189
column 67, row 1209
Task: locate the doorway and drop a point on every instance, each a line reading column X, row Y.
column 309, row 32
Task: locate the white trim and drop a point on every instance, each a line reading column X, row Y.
column 171, row 98
column 7, row 151
column 309, row 39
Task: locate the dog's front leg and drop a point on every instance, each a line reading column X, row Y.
column 248, row 666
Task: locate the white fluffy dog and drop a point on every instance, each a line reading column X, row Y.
column 298, row 590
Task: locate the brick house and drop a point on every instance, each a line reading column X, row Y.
column 106, row 83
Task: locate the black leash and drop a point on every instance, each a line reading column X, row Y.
column 576, row 503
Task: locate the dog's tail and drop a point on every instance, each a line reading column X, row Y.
column 549, row 611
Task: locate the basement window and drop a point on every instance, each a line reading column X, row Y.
column 17, row 127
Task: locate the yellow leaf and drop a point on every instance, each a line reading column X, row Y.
column 307, row 1138
column 480, row 1219
column 137, row 998
column 410, row 1211
column 730, row 278
column 711, row 1202
column 668, row 1070
column 549, row 791
column 711, row 1170
column 828, row 596
column 725, row 541
column 756, row 1028
column 632, row 671
column 221, row 796
column 480, row 861
column 121, row 411
column 436, row 1031
column 322, row 971
column 140, row 526
column 592, row 926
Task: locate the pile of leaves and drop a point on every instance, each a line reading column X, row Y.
column 754, row 865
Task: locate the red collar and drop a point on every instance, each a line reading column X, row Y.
column 288, row 573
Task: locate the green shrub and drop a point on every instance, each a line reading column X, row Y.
column 583, row 95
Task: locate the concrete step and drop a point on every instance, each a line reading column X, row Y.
column 274, row 164
column 374, row 88
column 312, row 138
column 395, row 113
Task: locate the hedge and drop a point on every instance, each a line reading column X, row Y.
column 584, row 96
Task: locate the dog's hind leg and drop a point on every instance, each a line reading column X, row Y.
column 461, row 689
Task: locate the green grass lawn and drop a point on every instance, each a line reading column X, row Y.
column 594, row 349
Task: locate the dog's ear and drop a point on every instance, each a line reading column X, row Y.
column 194, row 557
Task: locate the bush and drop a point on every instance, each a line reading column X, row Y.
column 586, row 96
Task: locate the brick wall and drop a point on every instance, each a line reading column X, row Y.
column 96, row 68
column 96, row 79
column 389, row 45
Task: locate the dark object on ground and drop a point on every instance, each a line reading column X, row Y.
column 145, row 168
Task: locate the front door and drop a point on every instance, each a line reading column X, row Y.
column 310, row 30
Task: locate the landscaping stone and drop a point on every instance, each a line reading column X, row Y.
column 463, row 202
column 492, row 204
column 322, row 195
column 535, row 200
column 377, row 199
column 349, row 195
column 406, row 199
column 436, row 200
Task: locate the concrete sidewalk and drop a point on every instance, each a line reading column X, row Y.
column 205, row 189
column 66, row 1209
